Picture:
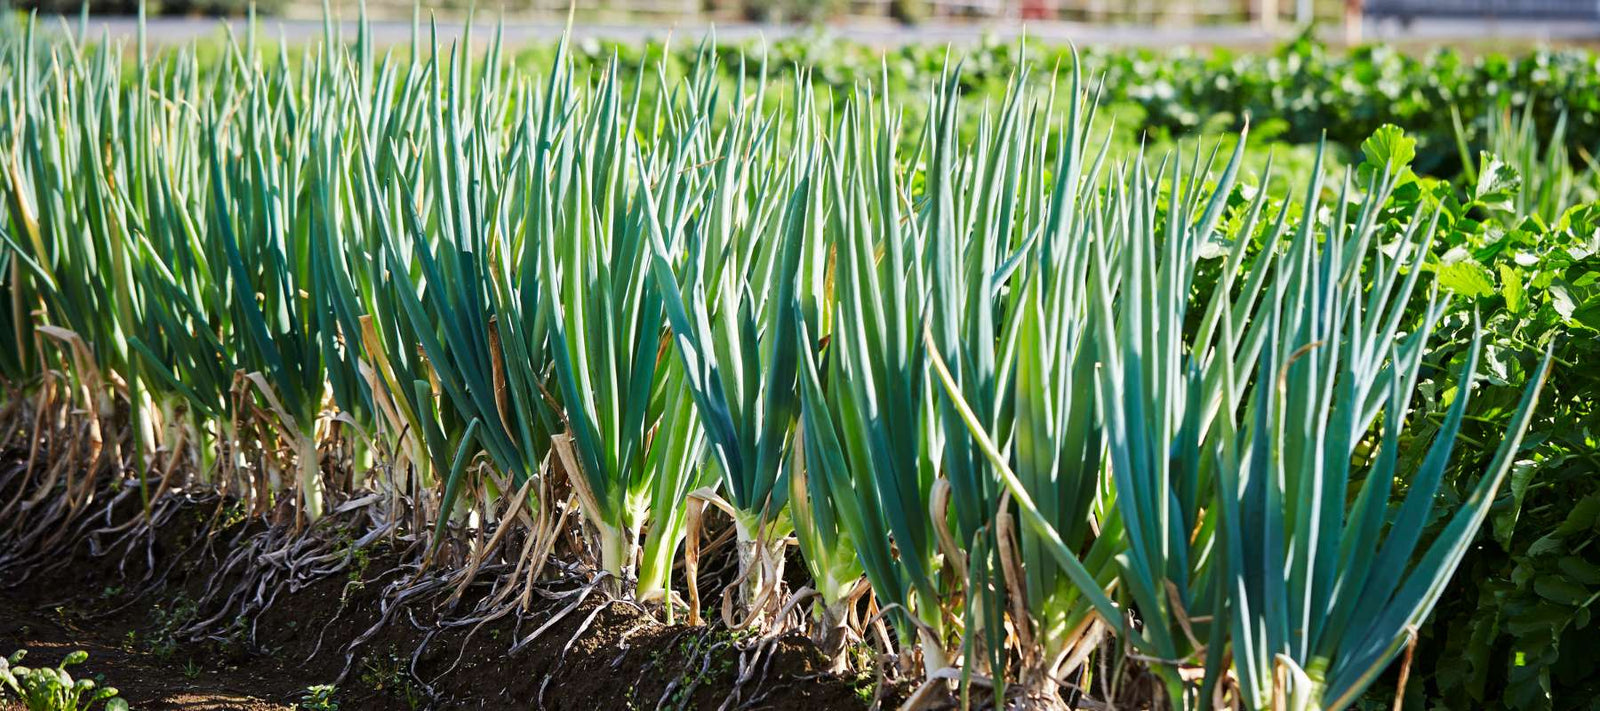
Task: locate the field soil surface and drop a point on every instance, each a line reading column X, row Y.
column 125, row 606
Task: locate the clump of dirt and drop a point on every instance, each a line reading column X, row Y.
column 569, row 650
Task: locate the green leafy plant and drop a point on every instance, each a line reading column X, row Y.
column 1505, row 634
column 319, row 697
column 54, row 689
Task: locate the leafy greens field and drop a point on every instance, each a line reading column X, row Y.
column 1183, row 380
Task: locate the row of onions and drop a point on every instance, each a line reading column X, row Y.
column 1018, row 401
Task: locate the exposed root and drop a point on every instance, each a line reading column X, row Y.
column 71, row 484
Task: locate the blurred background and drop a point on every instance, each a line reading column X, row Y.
column 1152, row 22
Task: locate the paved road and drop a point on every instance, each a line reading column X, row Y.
column 868, row 31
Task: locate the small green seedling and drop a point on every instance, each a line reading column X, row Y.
column 319, row 697
column 46, row 689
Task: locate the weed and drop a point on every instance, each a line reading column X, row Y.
column 319, row 697
column 386, row 675
column 162, row 641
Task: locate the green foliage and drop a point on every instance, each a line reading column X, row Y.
column 1521, row 171
column 1506, row 636
column 54, row 689
column 1302, row 91
column 1032, row 381
column 1389, row 146
column 319, row 697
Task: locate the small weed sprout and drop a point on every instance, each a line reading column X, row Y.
column 319, row 697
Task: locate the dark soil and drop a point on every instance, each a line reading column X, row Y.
column 598, row 655
column 145, row 679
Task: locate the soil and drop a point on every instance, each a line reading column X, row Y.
column 596, row 654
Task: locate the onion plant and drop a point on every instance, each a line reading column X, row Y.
column 1278, row 553
column 371, row 262
column 867, row 406
column 1325, row 592
column 57, row 191
column 1077, row 534
column 464, row 274
column 733, row 316
column 635, row 442
column 1055, row 444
